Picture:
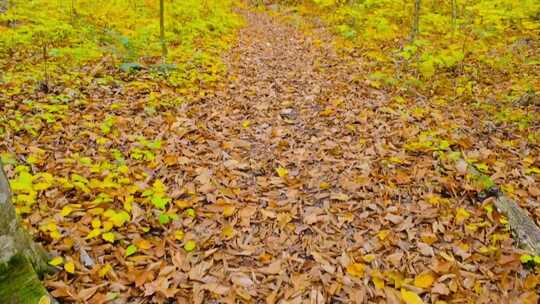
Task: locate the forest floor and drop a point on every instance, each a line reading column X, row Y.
column 303, row 185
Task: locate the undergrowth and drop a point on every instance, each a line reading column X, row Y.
column 55, row 41
column 481, row 53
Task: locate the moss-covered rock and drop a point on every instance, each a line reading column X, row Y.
column 19, row 283
column 21, row 260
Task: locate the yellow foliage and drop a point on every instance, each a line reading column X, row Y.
column 410, row 297
column 109, row 237
column 424, row 280
column 282, row 172
column 69, row 267
column 228, row 231
column 104, row 270
column 228, row 210
column 462, row 215
column 56, row 261
column 356, row 269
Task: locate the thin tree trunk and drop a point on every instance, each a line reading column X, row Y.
column 4, row 5
column 416, row 20
column 73, row 11
column 162, row 30
column 454, row 14
column 21, row 260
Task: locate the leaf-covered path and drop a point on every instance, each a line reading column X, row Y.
column 284, row 134
column 330, row 207
column 326, row 204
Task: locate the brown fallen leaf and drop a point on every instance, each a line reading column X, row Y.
column 216, row 288
column 245, row 215
column 242, row 279
column 441, row 289
column 87, row 293
column 273, row 268
column 198, row 271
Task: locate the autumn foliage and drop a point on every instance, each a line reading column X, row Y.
column 283, row 152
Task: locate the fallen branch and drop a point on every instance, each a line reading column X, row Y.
column 524, row 229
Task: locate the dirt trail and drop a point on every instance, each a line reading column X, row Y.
column 293, row 104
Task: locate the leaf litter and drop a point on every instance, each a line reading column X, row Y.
column 289, row 183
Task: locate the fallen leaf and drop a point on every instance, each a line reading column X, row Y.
column 282, row 172
column 69, row 267
column 410, row 297
column 424, row 280
column 356, row 269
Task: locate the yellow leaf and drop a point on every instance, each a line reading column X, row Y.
column 45, row 300
column 395, row 278
column 462, row 215
column 228, row 210
column 424, row 280
column 96, row 211
column 55, row 235
column 410, row 297
column 245, row 124
column 56, row 261
column 464, row 246
column 107, row 225
column 108, row 236
column 324, row 186
column 52, row 227
column 96, row 223
column 66, row 211
column 525, row 258
column 368, row 258
column 118, row 219
column 356, row 269
column 446, row 256
column 92, row 234
column 179, row 235
column 428, row 238
column 104, row 270
column 282, row 172
column 328, row 111
column 143, row 244
column 489, row 209
column 383, row 234
column 378, row 280
column 337, row 103
column 183, row 204
column 69, row 267
column 228, row 232
column 190, row 246
column 123, row 169
column 128, row 203
column 427, row 68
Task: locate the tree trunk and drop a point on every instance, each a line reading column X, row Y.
column 21, row 260
column 454, row 14
column 162, row 30
column 416, row 20
column 4, row 5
